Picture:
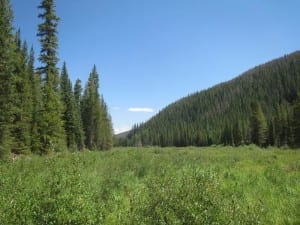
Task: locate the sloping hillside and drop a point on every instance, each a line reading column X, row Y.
column 222, row 114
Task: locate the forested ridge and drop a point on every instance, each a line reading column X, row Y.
column 261, row 106
column 40, row 110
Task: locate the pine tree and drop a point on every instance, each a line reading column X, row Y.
column 52, row 131
column 22, row 99
column 79, row 135
column 227, row 135
column 7, row 55
column 36, row 91
column 78, row 92
column 95, row 117
column 282, row 126
column 259, row 127
column 237, row 134
column 69, row 107
column 272, row 132
column 91, row 113
column 106, row 130
column 296, row 124
column 72, row 117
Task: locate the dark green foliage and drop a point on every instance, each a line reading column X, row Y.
column 90, row 111
column 40, row 113
column 282, row 125
column 69, row 107
column 7, row 67
column 47, row 33
column 96, row 120
column 71, row 116
column 78, row 92
column 296, row 124
column 106, row 130
column 222, row 114
column 258, row 124
column 52, row 132
column 30, row 102
column 23, row 102
column 79, row 135
column 37, row 105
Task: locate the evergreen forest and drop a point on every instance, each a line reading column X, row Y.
column 40, row 110
column 261, row 106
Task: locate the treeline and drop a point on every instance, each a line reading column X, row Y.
column 40, row 110
column 262, row 106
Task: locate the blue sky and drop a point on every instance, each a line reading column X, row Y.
column 150, row 53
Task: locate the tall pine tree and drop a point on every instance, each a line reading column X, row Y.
column 78, row 92
column 72, row 117
column 106, row 131
column 52, row 131
column 96, row 121
column 91, row 110
column 79, row 135
column 259, row 127
column 69, row 107
column 22, row 99
column 7, row 67
column 37, row 104
column 296, row 124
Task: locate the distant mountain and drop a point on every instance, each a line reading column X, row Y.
column 122, row 135
column 223, row 114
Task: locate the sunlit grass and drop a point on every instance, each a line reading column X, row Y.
column 214, row 185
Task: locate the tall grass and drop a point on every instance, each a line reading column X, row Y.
column 216, row 185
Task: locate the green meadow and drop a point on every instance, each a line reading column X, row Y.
column 213, row 185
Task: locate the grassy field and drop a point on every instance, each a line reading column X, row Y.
column 215, row 185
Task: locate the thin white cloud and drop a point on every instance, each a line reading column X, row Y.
column 117, row 108
column 139, row 109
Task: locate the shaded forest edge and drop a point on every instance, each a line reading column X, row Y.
column 261, row 106
column 40, row 110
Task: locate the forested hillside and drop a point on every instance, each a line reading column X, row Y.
column 260, row 106
column 40, row 111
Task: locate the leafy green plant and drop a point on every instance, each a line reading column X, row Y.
column 222, row 185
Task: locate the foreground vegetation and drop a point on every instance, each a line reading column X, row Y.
column 215, row 185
